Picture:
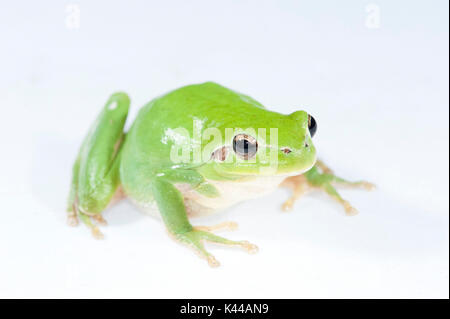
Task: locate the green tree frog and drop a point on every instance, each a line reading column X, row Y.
column 195, row 151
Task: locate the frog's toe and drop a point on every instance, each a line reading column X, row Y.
column 72, row 221
column 95, row 230
column 97, row 233
column 349, row 209
column 368, row 186
column 100, row 220
column 249, row 247
column 194, row 240
column 359, row 184
column 212, row 261
column 288, row 205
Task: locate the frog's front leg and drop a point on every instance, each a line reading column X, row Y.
column 173, row 212
column 322, row 177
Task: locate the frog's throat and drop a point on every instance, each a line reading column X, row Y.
column 262, row 172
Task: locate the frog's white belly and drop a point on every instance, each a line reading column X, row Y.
column 231, row 192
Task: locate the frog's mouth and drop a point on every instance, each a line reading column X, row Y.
column 271, row 169
column 299, row 172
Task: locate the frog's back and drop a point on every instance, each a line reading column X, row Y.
column 181, row 107
column 149, row 140
column 199, row 96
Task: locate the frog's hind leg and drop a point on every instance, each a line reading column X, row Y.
column 95, row 174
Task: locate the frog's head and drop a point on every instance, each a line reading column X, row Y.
column 272, row 144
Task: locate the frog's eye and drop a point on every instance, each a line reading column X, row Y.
column 245, row 146
column 312, row 125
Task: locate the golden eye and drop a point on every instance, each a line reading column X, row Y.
column 245, row 146
column 312, row 125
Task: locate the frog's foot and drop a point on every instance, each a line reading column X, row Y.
column 100, row 220
column 197, row 236
column 299, row 186
column 321, row 177
column 349, row 209
column 95, row 230
column 72, row 219
column 326, row 182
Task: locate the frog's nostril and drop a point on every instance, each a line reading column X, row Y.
column 286, row 150
column 220, row 154
column 306, row 144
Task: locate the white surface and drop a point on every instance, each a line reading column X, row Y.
column 380, row 97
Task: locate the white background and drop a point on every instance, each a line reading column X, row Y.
column 380, row 96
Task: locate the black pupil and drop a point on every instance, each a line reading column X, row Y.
column 312, row 126
column 244, row 148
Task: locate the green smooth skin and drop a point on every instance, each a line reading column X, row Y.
column 140, row 160
column 96, row 169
